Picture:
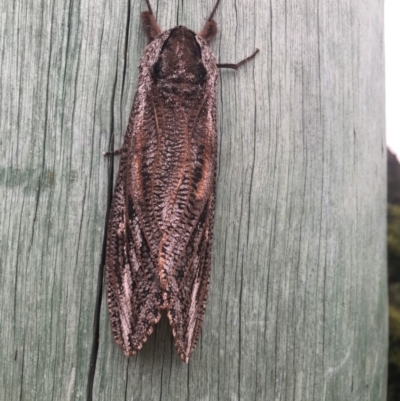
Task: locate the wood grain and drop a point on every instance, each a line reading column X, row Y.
column 298, row 301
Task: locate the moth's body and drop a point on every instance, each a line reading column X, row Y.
column 160, row 228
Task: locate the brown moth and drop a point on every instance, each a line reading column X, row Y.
column 158, row 253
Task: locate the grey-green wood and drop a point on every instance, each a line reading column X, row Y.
column 297, row 305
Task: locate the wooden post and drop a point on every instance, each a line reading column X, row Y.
column 298, row 299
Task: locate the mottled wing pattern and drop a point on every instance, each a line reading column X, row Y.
column 133, row 290
column 133, row 287
column 187, row 308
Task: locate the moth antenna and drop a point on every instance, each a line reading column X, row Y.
column 210, row 28
column 151, row 27
column 210, row 18
column 149, row 7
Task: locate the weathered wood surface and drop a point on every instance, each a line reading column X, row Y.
column 297, row 306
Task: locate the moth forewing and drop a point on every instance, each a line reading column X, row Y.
column 159, row 236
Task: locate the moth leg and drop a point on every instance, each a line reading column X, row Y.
column 210, row 28
column 150, row 24
column 114, row 152
column 236, row 66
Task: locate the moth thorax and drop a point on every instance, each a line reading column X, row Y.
column 179, row 68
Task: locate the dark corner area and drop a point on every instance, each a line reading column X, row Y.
column 393, row 238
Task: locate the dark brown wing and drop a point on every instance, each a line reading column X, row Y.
column 132, row 283
column 186, row 313
column 185, row 247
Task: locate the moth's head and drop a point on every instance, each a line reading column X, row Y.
column 179, row 66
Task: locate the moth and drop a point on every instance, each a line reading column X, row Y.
column 159, row 236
